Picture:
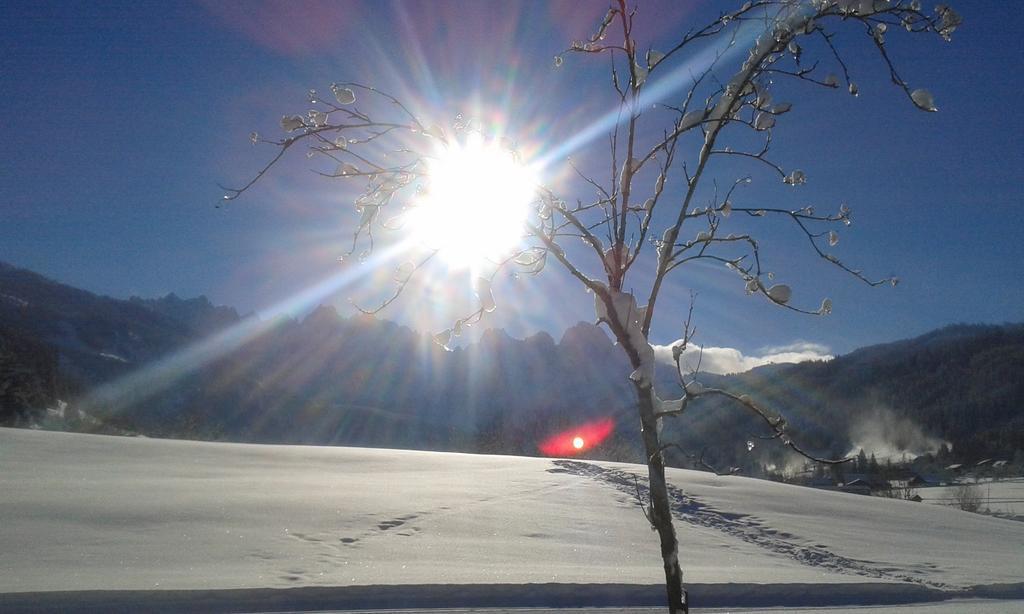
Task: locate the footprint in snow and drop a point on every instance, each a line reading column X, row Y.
column 743, row 526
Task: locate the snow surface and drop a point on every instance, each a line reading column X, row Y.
column 83, row 512
column 964, row 606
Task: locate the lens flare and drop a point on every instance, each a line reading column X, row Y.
column 577, row 439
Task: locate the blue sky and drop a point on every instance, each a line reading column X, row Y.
column 122, row 118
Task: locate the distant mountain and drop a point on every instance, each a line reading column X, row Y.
column 196, row 314
column 97, row 337
column 363, row 381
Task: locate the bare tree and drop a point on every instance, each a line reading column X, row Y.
column 967, row 497
column 657, row 206
column 903, row 491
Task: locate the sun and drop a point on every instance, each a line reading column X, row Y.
column 475, row 203
column 577, row 442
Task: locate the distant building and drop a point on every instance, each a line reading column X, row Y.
column 821, row 483
column 926, row 480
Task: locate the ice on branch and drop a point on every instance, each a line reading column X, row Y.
column 290, row 123
column 826, row 307
column 924, row 100
column 780, row 293
column 690, row 120
column 833, row 238
column 610, row 256
column 404, row 272
column 630, row 319
column 343, row 94
column 949, row 20
column 878, row 33
column 764, row 121
column 529, row 257
column 862, row 8
column 435, row 131
column 368, row 213
column 483, row 292
column 444, row 339
column 317, row 118
column 653, row 57
column 629, row 167
column 797, row 177
column 694, row 388
column 641, row 74
column 670, row 405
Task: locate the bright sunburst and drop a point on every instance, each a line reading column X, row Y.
column 476, row 203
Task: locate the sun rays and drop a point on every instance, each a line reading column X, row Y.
column 478, row 195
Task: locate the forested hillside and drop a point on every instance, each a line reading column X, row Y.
column 959, row 385
column 329, row 379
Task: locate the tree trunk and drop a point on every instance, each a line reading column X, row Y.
column 660, row 510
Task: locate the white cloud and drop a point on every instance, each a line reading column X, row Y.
column 800, row 347
column 729, row 360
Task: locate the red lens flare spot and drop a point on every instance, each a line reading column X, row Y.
column 577, row 439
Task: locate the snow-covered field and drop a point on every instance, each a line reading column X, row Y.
column 87, row 513
column 997, row 496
